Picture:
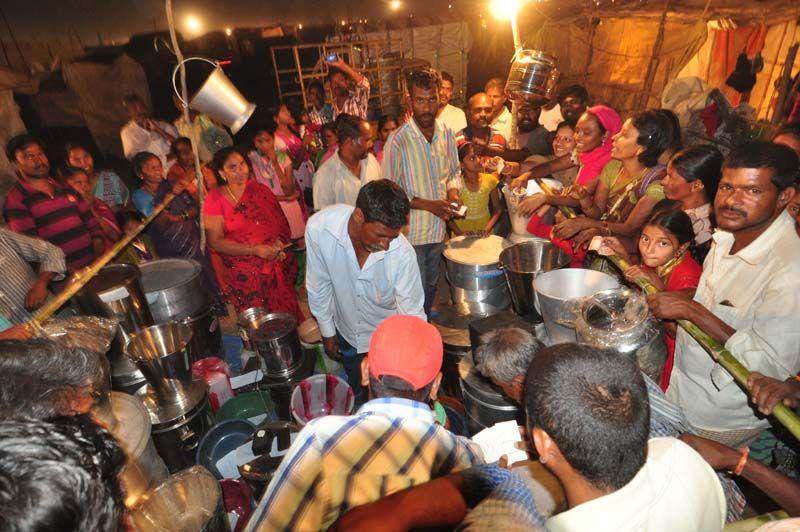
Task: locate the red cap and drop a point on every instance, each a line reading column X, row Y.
column 406, row 347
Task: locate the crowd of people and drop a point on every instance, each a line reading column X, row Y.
column 358, row 212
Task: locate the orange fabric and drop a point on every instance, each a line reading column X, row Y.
column 726, row 47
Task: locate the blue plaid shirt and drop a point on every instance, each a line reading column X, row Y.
column 339, row 462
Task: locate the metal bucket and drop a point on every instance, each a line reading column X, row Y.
column 522, row 263
column 161, row 352
column 116, row 292
column 556, row 288
column 532, row 78
column 174, row 289
column 277, row 342
column 248, row 322
column 484, row 404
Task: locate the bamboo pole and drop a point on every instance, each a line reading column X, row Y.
column 725, row 358
column 84, row 276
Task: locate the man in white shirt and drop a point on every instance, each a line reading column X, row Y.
column 361, row 270
column 746, row 298
column 500, row 120
column 340, row 178
column 449, row 115
column 143, row 133
column 588, row 418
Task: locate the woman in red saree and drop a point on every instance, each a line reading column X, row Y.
column 247, row 228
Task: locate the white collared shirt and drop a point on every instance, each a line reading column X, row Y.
column 502, row 124
column 335, row 183
column 675, row 491
column 757, row 293
column 136, row 139
column 350, row 299
column 453, row 118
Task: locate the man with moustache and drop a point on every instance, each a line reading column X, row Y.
column 421, row 156
column 487, row 141
column 360, row 271
column 38, row 206
column 746, row 298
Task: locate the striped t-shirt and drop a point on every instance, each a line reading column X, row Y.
column 63, row 220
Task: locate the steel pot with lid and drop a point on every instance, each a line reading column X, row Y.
column 477, row 285
column 173, row 288
column 532, row 77
column 620, row 320
column 276, row 341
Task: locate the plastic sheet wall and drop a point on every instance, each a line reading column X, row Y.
column 612, row 59
column 99, row 89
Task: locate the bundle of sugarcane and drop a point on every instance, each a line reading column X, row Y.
column 725, row 358
column 566, row 211
column 84, row 276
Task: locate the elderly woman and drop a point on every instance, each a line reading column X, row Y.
column 246, row 226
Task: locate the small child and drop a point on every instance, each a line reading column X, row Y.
column 666, row 261
column 480, row 188
column 141, row 249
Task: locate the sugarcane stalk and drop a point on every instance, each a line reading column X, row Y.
column 718, row 352
column 85, row 275
column 566, row 211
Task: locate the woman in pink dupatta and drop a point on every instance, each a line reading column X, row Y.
column 594, row 135
column 247, row 228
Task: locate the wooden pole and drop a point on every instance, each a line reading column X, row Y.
column 84, row 276
column 654, row 60
column 198, row 172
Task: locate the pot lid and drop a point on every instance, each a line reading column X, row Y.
column 618, row 309
column 274, row 326
column 167, row 273
column 110, row 278
column 128, row 421
column 454, row 327
column 474, row 251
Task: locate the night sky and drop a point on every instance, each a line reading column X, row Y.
column 118, row 19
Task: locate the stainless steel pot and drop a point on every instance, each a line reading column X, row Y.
column 556, row 289
column 116, row 292
column 277, row 342
column 620, row 320
column 179, row 427
column 532, row 78
column 472, row 262
column 484, row 404
column 174, row 289
column 522, row 263
column 249, row 322
column 206, row 334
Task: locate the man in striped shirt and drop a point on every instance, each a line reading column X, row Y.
column 22, row 290
column 392, row 443
column 422, row 158
column 38, row 206
column 343, row 100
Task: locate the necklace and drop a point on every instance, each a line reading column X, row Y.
column 234, row 198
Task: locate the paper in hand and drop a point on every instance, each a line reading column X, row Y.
column 500, row 440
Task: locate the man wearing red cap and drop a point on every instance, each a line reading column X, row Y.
column 392, row 443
